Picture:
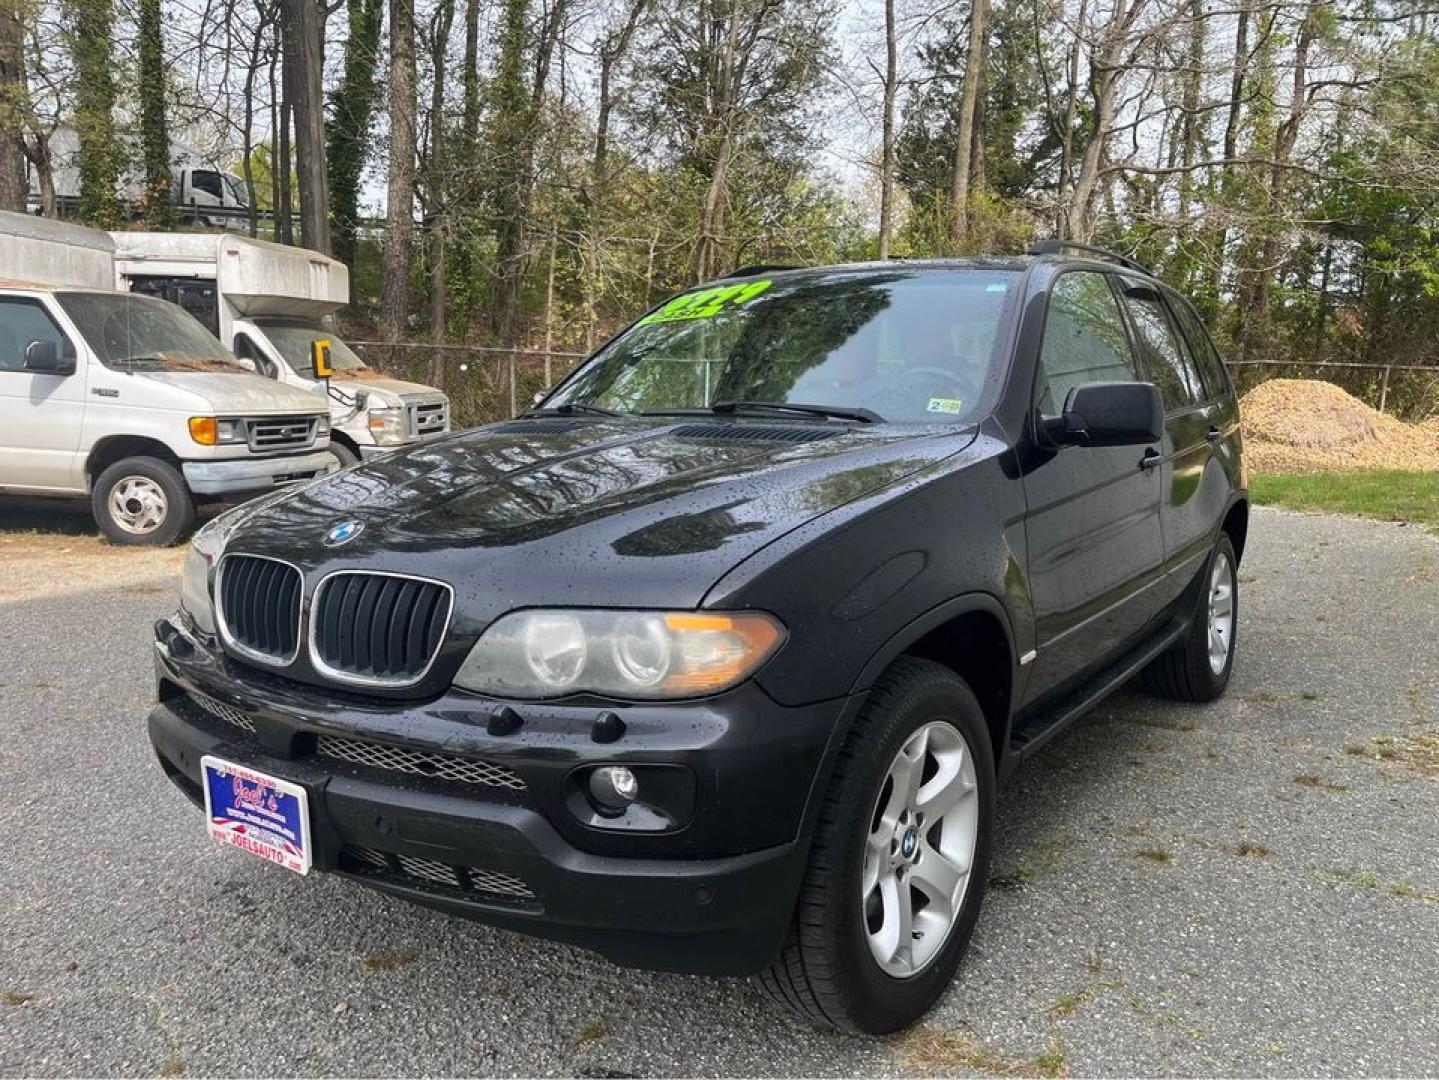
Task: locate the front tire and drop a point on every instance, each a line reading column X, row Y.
column 142, row 501
column 1198, row 668
column 899, row 859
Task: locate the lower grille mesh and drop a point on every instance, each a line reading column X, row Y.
column 417, row 762
column 428, row 873
column 228, row 713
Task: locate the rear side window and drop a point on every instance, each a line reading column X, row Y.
column 1166, row 362
column 1201, row 348
column 24, row 321
column 1084, row 337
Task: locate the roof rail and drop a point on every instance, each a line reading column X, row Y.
column 758, row 268
column 1055, row 246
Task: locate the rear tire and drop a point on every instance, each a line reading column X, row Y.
column 142, row 501
column 1198, row 668
column 829, row 970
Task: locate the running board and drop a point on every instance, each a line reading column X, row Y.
column 1027, row 740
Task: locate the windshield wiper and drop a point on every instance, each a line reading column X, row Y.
column 839, row 412
column 570, row 408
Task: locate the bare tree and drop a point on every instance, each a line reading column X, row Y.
column 304, row 32
column 887, row 156
column 400, row 195
column 966, row 130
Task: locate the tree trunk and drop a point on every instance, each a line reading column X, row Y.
column 14, row 108
column 400, row 195
column 304, row 30
column 156, row 201
column 886, row 165
column 964, row 134
column 280, row 157
column 1066, row 141
column 1231, row 139
column 92, row 47
column 436, row 206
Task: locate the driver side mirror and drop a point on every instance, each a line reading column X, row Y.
column 1108, row 414
column 320, row 358
column 44, row 356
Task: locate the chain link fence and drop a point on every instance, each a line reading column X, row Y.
column 1408, row 391
column 484, row 383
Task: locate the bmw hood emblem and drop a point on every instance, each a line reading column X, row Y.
column 342, row 532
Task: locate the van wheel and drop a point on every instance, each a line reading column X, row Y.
column 899, row 859
column 1197, row 669
column 142, row 500
column 343, row 454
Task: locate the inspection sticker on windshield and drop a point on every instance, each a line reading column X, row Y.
column 261, row 814
column 945, row 405
column 706, row 303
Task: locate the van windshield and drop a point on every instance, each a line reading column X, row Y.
column 140, row 333
column 292, row 338
column 905, row 345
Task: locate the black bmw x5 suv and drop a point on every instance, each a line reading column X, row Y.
column 714, row 661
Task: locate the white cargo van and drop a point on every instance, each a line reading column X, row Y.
column 128, row 400
column 270, row 304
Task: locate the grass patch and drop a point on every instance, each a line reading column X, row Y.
column 18, row 997
column 931, row 1052
column 386, row 960
column 1385, row 494
column 1155, row 855
column 1310, row 780
column 592, row 1032
column 1251, row 850
column 173, row 1067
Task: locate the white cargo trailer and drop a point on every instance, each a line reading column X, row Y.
column 270, row 303
column 127, row 400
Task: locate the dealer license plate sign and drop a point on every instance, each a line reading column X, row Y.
column 261, row 814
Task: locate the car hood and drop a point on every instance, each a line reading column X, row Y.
column 230, row 393
column 384, row 390
column 586, row 513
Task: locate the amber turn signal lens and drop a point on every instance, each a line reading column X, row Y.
column 717, row 651
column 204, row 430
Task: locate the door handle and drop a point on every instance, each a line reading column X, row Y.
column 1152, row 459
column 1214, row 434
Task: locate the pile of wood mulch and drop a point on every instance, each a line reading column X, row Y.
column 1305, row 425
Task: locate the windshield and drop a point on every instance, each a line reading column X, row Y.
column 292, row 339
column 911, row 346
column 141, row 333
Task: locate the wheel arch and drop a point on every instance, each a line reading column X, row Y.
column 1236, row 524
column 113, row 448
column 971, row 635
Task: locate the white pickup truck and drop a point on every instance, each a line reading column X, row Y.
column 270, row 304
column 127, row 399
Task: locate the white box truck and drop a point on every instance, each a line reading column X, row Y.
column 270, row 303
column 127, row 399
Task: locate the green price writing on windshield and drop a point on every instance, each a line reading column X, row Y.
column 706, row 303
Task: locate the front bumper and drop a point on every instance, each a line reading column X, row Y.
column 712, row 897
column 231, row 475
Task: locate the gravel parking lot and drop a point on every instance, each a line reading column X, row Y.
column 1250, row 887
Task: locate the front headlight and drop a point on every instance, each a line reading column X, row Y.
column 205, row 550
column 322, row 425
column 626, row 654
column 387, row 425
column 216, row 431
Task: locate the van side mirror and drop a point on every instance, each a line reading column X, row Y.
column 320, row 358
column 1108, row 414
column 44, row 356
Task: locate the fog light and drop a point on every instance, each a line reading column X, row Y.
column 613, row 787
